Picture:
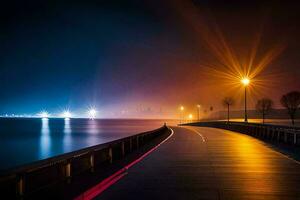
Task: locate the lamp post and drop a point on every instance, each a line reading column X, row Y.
column 191, row 118
column 245, row 81
column 181, row 114
column 198, row 111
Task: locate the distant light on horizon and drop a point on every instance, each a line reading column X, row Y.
column 67, row 114
column 44, row 114
column 92, row 113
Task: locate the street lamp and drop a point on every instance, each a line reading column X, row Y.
column 191, row 117
column 181, row 114
column 198, row 111
column 245, row 81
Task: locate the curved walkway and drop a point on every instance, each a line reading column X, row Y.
column 208, row 163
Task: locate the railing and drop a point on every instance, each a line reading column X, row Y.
column 282, row 134
column 30, row 178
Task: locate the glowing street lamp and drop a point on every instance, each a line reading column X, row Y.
column 245, row 81
column 191, row 117
column 181, row 108
column 92, row 113
column 181, row 114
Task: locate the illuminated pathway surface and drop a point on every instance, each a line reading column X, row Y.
column 207, row 163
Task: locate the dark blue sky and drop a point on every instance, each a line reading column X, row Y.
column 134, row 57
column 68, row 55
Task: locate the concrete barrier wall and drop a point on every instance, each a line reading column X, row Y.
column 27, row 179
column 282, row 134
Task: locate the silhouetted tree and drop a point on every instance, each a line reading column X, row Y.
column 291, row 101
column 264, row 106
column 227, row 102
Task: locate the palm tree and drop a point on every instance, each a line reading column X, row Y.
column 291, row 101
column 227, row 102
column 264, row 106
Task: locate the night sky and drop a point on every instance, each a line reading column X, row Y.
column 140, row 58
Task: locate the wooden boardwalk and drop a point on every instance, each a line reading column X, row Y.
column 208, row 163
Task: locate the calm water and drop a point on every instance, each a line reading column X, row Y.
column 25, row 140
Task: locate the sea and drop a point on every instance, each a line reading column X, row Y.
column 25, row 140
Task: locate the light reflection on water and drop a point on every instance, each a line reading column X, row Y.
column 24, row 140
column 67, row 140
column 45, row 139
column 92, row 131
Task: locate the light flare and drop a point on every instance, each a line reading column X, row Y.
column 44, row 114
column 92, row 113
column 181, row 108
column 245, row 81
column 66, row 114
column 229, row 65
